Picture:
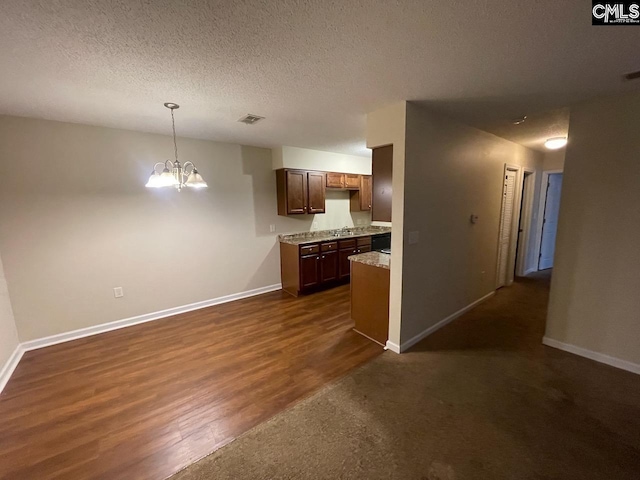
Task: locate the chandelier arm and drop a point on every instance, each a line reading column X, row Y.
column 162, row 164
column 184, row 168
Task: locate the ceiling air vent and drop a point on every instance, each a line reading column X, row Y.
column 632, row 75
column 251, row 119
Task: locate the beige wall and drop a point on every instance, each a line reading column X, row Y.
column 554, row 159
column 76, row 221
column 451, row 172
column 595, row 301
column 8, row 332
column 387, row 126
column 307, row 159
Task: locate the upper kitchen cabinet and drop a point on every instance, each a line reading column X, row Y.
column 335, row 180
column 382, row 170
column 300, row 191
column 352, row 181
column 360, row 200
column 316, row 193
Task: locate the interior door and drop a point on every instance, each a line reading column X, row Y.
column 550, row 221
column 506, row 225
column 296, row 192
column 316, row 190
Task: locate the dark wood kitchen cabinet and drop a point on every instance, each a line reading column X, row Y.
column 335, row 180
column 329, row 265
column 300, row 191
column 348, row 247
column 307, row 267
column 382, row 172
column 360, row 200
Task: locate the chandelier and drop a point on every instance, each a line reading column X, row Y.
column 174, row 174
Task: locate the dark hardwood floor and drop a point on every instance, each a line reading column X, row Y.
column 145, row 401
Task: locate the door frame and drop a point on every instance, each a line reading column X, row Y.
column 542, row 202
column 517, row 199
column 523, row 266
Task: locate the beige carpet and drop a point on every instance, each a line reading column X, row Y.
column 480, row 399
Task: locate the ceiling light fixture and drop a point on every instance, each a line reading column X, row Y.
column 519, row 121
column 555, row 143
column 174, row 174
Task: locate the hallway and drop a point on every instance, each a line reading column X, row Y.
column 480, row 399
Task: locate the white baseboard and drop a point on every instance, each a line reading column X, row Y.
column 394, row 347
column 404, row 346
column 10, row 365
column 598, row 357
column 147, row 317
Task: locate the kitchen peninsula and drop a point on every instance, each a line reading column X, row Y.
column 313, row 260
column 370, row 275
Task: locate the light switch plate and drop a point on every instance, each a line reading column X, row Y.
column 414, row 237
column 272, row 228
column 118, row 292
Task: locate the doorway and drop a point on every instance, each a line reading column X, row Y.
column 525, row 263
column 551, row 208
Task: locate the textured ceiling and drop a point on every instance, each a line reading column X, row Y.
column 535, row 130
column 313, row 68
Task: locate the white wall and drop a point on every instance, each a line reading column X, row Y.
column 595, row 301
column 307, row 159
column 451, row 172
column 76, row 221
column 387, row 126
column 554, row 159
column 8, row 332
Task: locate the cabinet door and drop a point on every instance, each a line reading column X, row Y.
column 352, row 181
column 365, row 193
column 364, row 249
column 335, row 180
column 344, row 265
column 309, row 270
column 328, row 266
column 296, row 192
column 316, row 191
column 382, row 170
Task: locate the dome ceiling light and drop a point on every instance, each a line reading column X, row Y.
column 555, row 143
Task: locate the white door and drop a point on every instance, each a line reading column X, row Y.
column 550, row 221
column 506, row 225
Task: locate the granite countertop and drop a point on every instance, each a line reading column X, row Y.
column 375, row 259
column 326, row 235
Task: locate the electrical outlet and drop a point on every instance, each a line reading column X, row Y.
column 118, row 292
column 314, row 225
column 272, row 228
column 414, row 237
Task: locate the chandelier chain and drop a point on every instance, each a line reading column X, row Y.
column 175, row 144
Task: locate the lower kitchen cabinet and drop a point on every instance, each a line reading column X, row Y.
column 307, row 267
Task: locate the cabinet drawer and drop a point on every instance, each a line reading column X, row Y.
column 329, row 246
column 309, row 249
column 363, row 241
column 351, row 243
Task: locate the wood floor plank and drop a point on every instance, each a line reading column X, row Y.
column 145, row 401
